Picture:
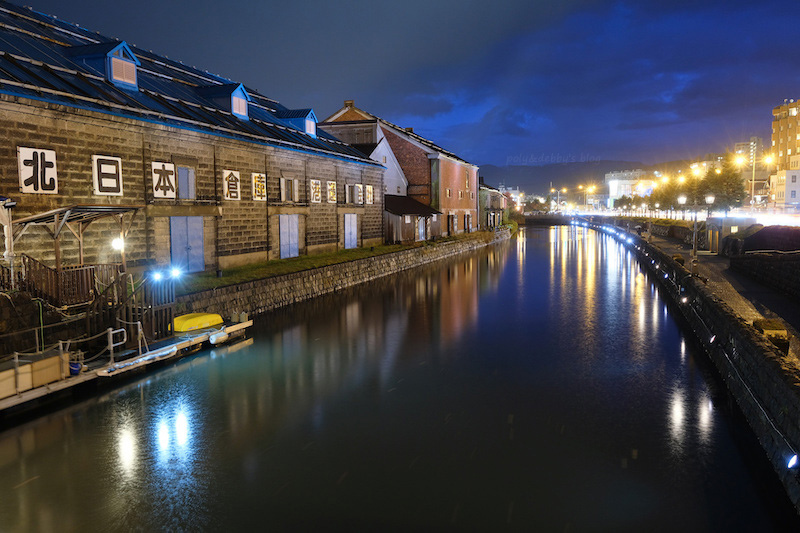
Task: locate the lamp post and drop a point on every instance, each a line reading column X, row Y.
column 741, row 160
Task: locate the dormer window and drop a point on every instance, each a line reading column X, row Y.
column 123, row 71
column 239, row 106
column 114, row 60
column 303, row 119
column 231, row 97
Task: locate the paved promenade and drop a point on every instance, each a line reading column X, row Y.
column 745, row 296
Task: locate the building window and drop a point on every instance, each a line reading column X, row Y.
column 331, row 192
column 472, row 195
column 316, row 191
column 369, row 194
column 290, row 190
column 448, row 193
column 354, row 194
column 460, row 195
column 794, row 179
column 398, row 189
column 384, row 160
column 433, row 218
column 794, row 194
column 311, row 127
column 408, row 219
column 123, row 71
column 239, row 106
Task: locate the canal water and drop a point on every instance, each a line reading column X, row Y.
column 541, row 385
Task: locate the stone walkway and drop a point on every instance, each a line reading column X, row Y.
column 748, row 298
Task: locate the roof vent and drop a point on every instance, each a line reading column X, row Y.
column 349, row 103
column 409, row 130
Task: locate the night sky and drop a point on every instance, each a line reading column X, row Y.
column 519, row 82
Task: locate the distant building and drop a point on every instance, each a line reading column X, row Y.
column 624, row 183
column 492, row 207
column 785, row 188
column 415, row 166
column 785, row 134
column 785, row 122
column 752, row 150
column 515, row 196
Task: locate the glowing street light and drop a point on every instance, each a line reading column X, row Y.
column 741, row 161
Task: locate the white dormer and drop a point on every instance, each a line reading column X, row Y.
column 231, row 97
column 311, row 127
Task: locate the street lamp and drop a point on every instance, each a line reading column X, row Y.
column 682, row 202
column 740, row 162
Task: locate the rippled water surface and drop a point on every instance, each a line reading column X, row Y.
column 539, row 385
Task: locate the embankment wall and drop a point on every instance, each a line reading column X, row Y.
column 261, row 296
column 764, row 381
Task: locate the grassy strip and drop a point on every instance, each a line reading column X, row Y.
column 208, row 280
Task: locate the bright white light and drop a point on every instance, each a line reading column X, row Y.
column 157, row 276
column 181, row 429
column 792, row 461
column 163, row 436
column 713, row 338
column 118, row 244
column 127, row 450
column 684, row 300
column 175, row 272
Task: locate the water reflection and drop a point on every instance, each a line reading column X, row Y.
column 538, row 385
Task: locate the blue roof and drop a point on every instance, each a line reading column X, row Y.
column 41, row 58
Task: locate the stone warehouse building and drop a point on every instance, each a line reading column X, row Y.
column 192, row 169
column 416, row 167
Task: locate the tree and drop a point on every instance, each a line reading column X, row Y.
column 727, row 187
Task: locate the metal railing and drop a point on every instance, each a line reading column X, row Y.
column 69, row 286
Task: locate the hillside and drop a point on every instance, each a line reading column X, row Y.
column 538, row 179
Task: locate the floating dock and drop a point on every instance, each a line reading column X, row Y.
column 168, row 349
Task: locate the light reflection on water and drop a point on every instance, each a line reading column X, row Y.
column 541, row 384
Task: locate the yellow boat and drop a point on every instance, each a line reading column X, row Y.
column 194, row 321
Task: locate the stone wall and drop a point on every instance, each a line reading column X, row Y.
column 779, row 271
column 264, row 295
column 764, row 381
column 234, row 231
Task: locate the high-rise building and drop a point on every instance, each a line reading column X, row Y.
column 785, row 133
column 752, row 150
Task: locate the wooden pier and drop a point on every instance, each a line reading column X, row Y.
column 169, row 349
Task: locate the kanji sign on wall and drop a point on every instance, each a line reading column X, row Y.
column 107, row 175
column 163, row 180
column 231, row 185
column 259, row 187
column 37, row 171
column 316, row 191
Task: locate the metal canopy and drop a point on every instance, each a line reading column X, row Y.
column 76, row 218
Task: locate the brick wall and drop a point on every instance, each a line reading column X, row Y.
column 416, row 166
column 462, row 181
